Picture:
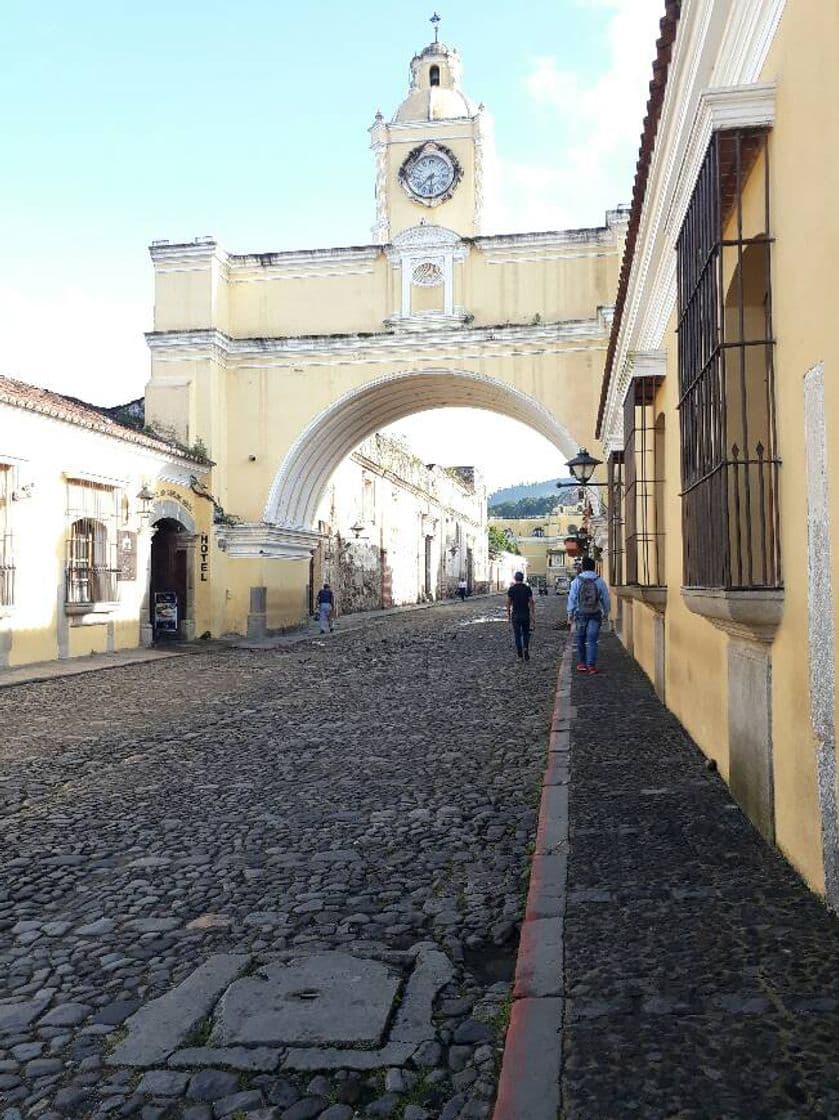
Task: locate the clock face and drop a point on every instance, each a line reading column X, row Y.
column 429, row 176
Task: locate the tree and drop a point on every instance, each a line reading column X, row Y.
column 499, row 542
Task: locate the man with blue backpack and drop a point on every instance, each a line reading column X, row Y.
column 588, row 603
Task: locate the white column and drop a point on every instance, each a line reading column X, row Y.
column 821, row 623
column 407, row 273
column 448, row 285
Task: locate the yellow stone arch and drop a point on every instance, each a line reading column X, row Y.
column 333, row 433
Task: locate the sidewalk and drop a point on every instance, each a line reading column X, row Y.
column 695, row 976
column 53, row 670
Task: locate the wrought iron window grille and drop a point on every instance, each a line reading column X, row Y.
column 7, row 563
column 729, row 443
column 91, row 570
column 614, row 482
column 644, row 486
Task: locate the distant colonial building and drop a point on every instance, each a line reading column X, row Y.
column 719, row 412
column 282, row 363
column 548, row 544
column 105, row 531
column 395, row 530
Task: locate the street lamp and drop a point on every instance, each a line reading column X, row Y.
column 583, row 466
column 357, row 529
column 145, row 498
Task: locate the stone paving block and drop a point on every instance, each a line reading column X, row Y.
column 559, row 741
column 547, row 893
column 161, row 1026
column 539, row 966
column 529, row 1085
column 15, row 1017
column 163, row 1083
column 256, row 1058
column 325, row 999
column 558, row 772
column 432, row 972
column 552, row 831
column 317, row 1058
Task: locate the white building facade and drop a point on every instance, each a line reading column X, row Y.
column 398, row 531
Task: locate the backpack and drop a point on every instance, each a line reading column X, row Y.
column 588, row 599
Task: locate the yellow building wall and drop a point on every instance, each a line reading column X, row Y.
column 287, row 301
column 291, row 298
column 498, row 288
column 804, row 165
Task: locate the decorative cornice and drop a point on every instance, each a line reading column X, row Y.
column 188, row 256
column 717, row 42
column 214, row 343
column 561, row 239
column 277, row 542
column 750, row 106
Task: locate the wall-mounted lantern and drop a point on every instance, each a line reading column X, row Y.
column 145, row 497
column 583, row 466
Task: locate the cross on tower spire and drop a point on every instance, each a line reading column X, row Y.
column 435, row 20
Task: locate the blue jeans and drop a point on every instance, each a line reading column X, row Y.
column 521, row 632
column 588, row 631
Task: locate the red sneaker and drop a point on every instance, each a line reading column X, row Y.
column 593, row 669
column 582, row 667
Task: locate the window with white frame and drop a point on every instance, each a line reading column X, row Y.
column 92, row 517
column 7, row 564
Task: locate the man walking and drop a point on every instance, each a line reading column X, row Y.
column 326, row 608
column 521, row 611
column 462, row 588
column 588, row 602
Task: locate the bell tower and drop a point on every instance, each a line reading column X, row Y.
column 435, row 158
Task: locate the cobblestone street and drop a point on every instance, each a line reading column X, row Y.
column 179, row 835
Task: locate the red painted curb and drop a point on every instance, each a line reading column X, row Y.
column 525, row 1020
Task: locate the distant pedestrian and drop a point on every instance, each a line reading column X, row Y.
column 326, row 608
column 462, row 588
column 588, row 603
column 521, row 611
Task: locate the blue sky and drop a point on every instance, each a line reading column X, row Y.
column 125, row 123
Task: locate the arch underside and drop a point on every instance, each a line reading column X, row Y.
column 336, row 432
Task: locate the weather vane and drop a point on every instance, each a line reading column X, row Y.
column 435, row 20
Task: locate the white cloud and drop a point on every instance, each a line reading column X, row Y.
column 597, row 120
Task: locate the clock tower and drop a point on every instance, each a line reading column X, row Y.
column 435, row 159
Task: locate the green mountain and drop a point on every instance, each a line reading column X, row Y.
column 532, row 499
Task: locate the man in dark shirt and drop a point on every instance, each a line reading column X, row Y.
column 326, row 608
column 521, row 611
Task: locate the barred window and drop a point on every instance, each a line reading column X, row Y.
column 7, row 563
column 92, row 570
column 614, row 478
column 644, row 492
column 729, row 445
